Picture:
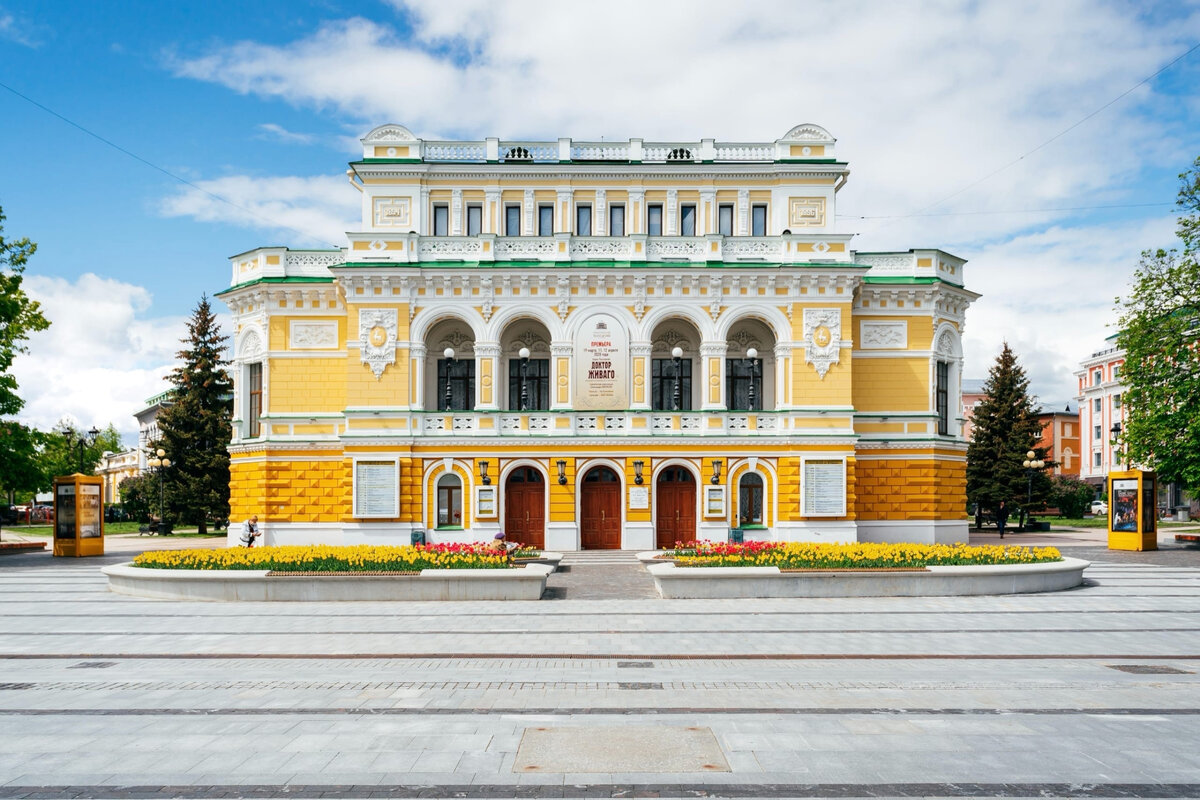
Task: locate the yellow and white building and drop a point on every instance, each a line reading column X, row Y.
column 598, row 345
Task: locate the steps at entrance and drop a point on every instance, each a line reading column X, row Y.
column 586, row 558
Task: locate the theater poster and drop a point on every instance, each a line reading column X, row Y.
column 601, row 365
column 1123, row 505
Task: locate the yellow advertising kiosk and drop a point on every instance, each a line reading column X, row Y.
column 78, row 515
column 1132, row 524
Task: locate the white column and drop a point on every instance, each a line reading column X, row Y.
column 456, row 213
column 639, row 356
column 711, row 352
column 417, row 354
column 487, row 366
column 426, row 225
column 706, row 212
column 564, row 210
column 743, row 212
column 527, row 228
column 493, row 214
column 635, row 212
column 561, row 367
column 671, row 224
column 783, row 383
column 600, row 214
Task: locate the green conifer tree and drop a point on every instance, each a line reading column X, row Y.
column 195, row 426
column 1005, row 427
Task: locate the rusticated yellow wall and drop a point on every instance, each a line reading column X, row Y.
column 912, row 486
column 306, row 385
column 289, row 488
column 891, row 384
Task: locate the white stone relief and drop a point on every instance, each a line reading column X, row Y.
column 822, row 338
column 393, row 212
column 313, row 334
column 251, row 346
column 807, row 132
column 391, row 133
column 884, row 336
column 377, row 338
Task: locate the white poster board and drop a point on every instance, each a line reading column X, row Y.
column 376, row 489
column 601, row 365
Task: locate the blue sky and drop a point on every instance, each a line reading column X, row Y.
column 264, row 105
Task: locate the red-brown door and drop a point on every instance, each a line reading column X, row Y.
column 525, row 507
column 600, row 510
column 675, row 499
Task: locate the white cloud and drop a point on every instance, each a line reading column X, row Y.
column 315, row 210
column 100, row 358
column 269, row 130
column 19, row 30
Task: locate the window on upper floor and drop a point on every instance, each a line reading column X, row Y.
column 943, row 398
column 254, row 410
column 663, row 382
column 687, row 220
column 1116, row 371
column 474, row 220
column 1116, row 402
column 546, row 220
column 583, row 220
column 1097, row 376
column 512, row 220
column 1096, row 405
column 537, row 384
column 1095, row 459
column 616, row 220
column 758, row 221
column 740, row 375
column 441, row 220
column 654, row 219
column 460, row 374
column 725, row 219
column 1097, row 434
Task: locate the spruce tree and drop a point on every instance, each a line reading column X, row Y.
column 195, row 426
column 1005, row 427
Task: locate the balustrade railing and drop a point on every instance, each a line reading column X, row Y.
column 599, row 424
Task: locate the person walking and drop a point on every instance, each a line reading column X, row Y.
column 1001, row 518
column 251, row 531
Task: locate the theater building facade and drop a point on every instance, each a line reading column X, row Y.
column 598, row 345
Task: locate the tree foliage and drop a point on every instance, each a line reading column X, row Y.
column 195, row 426
column 19, row 317
column 1160, row 334
column 1070, row 495
column 61, row 452
column 139, row 496
column 1005, row 427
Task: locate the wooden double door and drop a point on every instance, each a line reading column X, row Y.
column 600, row 510
column 675, row 500
column 525, row 507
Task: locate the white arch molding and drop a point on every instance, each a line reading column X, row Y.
column 512, row 314
column 434, row 468
column 544, row 469
column 662, row 313
column 770, row 316
column 582, row 468
column 765, row 469
column 423, row 323
column 947, row 347
column 692, row 466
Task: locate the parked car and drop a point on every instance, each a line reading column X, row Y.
column 1099, row 507
column 9, row 515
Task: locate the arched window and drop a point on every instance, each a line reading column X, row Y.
column 750, row 499
column 449, row 501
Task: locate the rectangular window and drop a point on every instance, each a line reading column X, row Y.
column 654, row 219
column 943, row 398
column 687, row 220
column 254, row 381
column 545, row 220
column 750, row 499
column 461, row 375
column 758, row 221
column 662, row 385
column 512, row 220
column 823, row 489
column 616, row 220
column 537, row 384
column 740, row 373
column 474, row 220
column 725, row 220
column 1096, row 404
column 1097, row 376
column 1116, row 402
column 376, row 490
column 441, row 220
column 449, row 504
column 1068, row 429
column 583, row 220
column 1095, row 459
column 1097, row 435
column 1116, row 371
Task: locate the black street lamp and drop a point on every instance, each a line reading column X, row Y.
column 524, row 354
column 1032, row 464
column 677, row 393
column 84, row 441
column 448, row 353
column 1116, row 437
column 752, row 356
column 159, row 463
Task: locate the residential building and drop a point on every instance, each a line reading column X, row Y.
column 598, row 345
column 972, row 396
column 1060, row 437
column 114, row 468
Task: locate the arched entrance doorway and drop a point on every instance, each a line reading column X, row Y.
column 525, row 507
column 675, row 499
column 600, row 510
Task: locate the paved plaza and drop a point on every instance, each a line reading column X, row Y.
column 602, row 690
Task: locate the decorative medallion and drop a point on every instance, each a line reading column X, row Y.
column 377, row 338
column 822, row 338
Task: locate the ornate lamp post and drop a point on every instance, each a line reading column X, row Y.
column 448, row 354
column 524, row 354
column 84, row 441
column 1032, row 464
column 677, row 393
column 1116, row 437
column 159, row 462
column 751, row 356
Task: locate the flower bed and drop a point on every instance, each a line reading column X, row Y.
column 329, row 558
column 862, row 555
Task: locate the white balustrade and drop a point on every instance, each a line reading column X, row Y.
column 599, row 424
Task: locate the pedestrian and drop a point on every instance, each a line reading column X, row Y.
column 1001, row 518
column 251, row 531
column 500, row 544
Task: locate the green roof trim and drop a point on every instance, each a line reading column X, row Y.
column 809, row 161
column 527, row 264
column 387, row 161
column 903, row 279
column 292, row 279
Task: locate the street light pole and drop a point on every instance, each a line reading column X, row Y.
column 1116, row 434
column 448, row 353
column 1032, row 463
column 751, row 356
column 85, row 440
column 677, row 393
column 159, row 462
column 524, row 354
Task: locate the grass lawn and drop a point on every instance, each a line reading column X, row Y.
column 1069, row 522
column 110, row 529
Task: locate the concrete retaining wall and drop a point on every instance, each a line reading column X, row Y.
column 722, row 582
column 526, row 583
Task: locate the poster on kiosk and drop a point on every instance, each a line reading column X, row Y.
column 79, row 515
column 1132, row 524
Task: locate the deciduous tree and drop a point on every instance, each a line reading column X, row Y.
column 1160, row 334
column 195, row 426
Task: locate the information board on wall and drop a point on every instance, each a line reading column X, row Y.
column 601, row 365
column 824, row 488
column 376, row 493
